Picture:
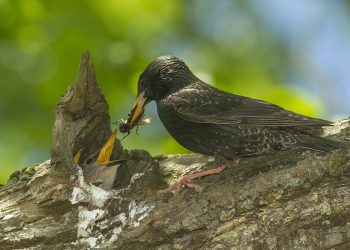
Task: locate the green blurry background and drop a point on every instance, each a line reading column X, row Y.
column 295, row 54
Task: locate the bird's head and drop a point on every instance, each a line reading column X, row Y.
column 162, row 77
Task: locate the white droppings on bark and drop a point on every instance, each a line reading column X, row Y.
column 117, row 230
column 115, row 234
column 135, row 215
column 88, row 192
column 135, row 177
column 76, row 196
column 135, row 210
column 99, row 196
column 87, row 220
column 92, row 241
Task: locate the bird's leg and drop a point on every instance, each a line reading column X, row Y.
column 186, row 180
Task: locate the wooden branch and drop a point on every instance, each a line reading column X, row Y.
column 291, row 200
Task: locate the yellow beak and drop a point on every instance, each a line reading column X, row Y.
column 138, row 109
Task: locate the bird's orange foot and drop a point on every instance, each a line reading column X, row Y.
column 186, row 180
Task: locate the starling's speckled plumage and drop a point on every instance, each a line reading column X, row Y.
column 210, row 121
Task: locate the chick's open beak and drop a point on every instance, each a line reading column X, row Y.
column 139, row 108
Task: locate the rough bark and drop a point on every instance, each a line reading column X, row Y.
column 291, row 200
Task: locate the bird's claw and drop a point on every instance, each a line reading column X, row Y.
column 179, row 184
column 187, row 181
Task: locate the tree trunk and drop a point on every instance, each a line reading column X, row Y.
column 290, row 200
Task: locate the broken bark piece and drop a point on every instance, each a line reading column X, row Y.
column 82, row 119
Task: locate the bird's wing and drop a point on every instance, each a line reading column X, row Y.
column 210, row 105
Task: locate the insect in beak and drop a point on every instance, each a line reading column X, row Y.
column 125, row 127
column 135, row 116
column 138, row 109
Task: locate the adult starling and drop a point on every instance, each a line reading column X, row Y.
column 213, row 122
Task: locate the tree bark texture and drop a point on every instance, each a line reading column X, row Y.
column 290, row 200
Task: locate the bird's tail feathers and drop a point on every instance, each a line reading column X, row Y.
column 323, row 144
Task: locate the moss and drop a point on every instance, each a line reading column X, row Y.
column 29, row 170
column 15, row 176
